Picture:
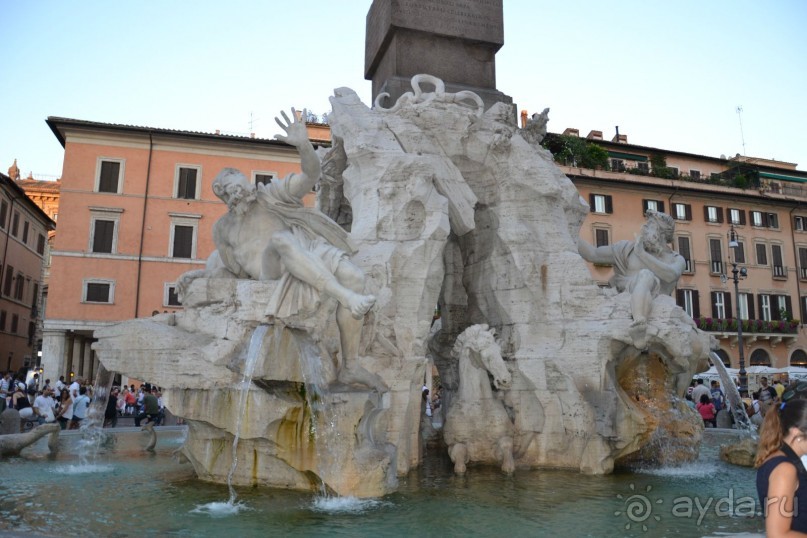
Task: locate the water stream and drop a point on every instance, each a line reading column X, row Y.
column 741, row 420
column 92, row 427
column 251, row 355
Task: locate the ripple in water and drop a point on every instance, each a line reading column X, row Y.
column 689, row 470
column 350, row 505
column 84, row 468
column 220, row 509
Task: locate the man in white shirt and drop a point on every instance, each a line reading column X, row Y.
column 43, row 406
column 699, row 390
column 74, row 388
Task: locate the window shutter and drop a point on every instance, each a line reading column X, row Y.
column 764, row 219
column 714, row 304
column 644, row 207
column 742, row 217
column 660, row 204
column 751, row 314
column 591, row 202
column 789, row 306
column 720, row 214
column 775, row 314
column 759, row 304
column 609, row 205
column 679, row 298
column 706, row 213
column 688, row 211
column 696, row 309
column 183, row 241
column 110, row 172
column 727, row 302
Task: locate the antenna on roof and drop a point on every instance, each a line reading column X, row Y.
column 740, row 115
column 252, row 120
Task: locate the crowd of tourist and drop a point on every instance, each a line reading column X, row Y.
column 69, row 404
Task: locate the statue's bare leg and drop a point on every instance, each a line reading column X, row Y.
column 641, row 301
column 285, row 252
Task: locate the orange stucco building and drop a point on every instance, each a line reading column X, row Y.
column 136, row 211
column 24, row 229
column 764, row 203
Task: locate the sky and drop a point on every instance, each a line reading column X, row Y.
column 670, row 74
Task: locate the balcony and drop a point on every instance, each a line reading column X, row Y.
column 754, row 330
column 780, row 272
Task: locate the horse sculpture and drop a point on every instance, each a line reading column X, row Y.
column 477, row 426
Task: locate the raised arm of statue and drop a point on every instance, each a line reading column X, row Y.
column 590, row 253
column 297, row 135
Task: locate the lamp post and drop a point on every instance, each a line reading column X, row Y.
column 737, row 275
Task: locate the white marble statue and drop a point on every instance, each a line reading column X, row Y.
column 477, row 427
column 268, row 234
column 645, row 268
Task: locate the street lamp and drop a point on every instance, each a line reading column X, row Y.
column 737, row 275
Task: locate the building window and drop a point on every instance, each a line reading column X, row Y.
column 655, row 205
column 686, row 252
column 98, row 291
column 739, row 252
column 713, row 214
column 759, row 219
column 695, row 174
column 15, row 223
column 25, row 227
column 601, row 237
column 40, row 244
column 803, row 263
column 688, row 300
column 263, row 178
column 3, row 213
column 170, row 297
column 184, row 232
column 3, row 320
column 673, row 171
column 15, row 323
column 721, row 305
column 601, row 203
column 643, row 167
column 103, row 236
column 782, row 307
column 682, row 211
column 746, row 302
column 762, row 254
column 9, row 281
column 798, row 223
column 19, row 287
column 716, row 256
column 765, row 307
column 187, row 182
column 617, row 165
column 110, row 176
column 737, row 216
column 760, row 357
column 773, row 220
column 779, row 270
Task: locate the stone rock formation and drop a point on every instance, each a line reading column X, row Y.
column 447, row 204
column 742, row 452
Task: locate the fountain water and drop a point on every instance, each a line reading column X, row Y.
column 92, row 427
column 250, row 356
column 741, row 420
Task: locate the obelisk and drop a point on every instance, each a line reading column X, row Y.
column 454, row 40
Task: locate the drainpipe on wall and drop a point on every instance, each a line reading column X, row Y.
column 143, row 227
column 798, row 269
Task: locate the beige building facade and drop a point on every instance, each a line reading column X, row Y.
column 136, row 210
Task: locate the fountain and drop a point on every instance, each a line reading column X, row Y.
column 451, row 204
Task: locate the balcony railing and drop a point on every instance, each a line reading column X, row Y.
column 749, row 325
column 690, row 268
column 803, row 273
column 779, row 271
column 717, row 267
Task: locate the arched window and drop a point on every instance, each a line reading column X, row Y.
column 798, row 358
column 724, row 357
column 760, row 357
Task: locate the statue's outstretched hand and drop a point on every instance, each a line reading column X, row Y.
column 296, row 133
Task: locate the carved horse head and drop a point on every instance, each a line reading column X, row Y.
column 478, row 345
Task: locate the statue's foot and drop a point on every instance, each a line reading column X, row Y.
column 359, row 305
column 638, row 333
